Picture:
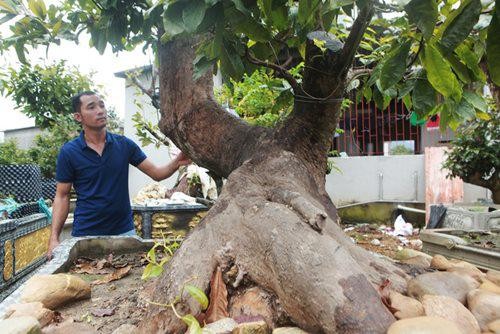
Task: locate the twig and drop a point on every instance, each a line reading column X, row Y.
column 281, row 70
column 357, row 30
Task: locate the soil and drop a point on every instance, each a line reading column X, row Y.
column 120, row 298
column 363, row 235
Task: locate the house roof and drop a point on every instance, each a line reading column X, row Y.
column 126, row 73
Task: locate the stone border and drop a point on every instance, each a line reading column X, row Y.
column 69, row 250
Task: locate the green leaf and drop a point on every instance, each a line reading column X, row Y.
column 20, row 52
column 394, row 66
column 231, row 63
column 151, row 255
column 172, row 20
column 193, row 324
column 247, row 25
column 424, row 14
column 198, row 295
column 440, row 74
column 193, row 14
column 201, row 66
column 493, row 47
column 407, row 101
column 8, row 6
column 475, row 100
column 424, row 97
column 306, row 11
column 460, row 25
column 241, row 7
column 38, row 8
column 7, row 18
column 459, row 68
column 465, row 110
column 470, row 60
column 381, row 100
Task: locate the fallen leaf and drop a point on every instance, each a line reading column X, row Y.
column 103, row 312
column 218, row 298
column 116, row 275
column 384, row 292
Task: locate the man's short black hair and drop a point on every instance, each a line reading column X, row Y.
column 76, row 102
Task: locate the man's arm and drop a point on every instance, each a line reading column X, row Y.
column 60, row 210
column 159, row 173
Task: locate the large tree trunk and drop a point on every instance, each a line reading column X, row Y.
column 274, row 223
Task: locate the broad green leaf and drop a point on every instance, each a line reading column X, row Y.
column 424, row 97
column 440, row 74
column 407, row 101
column 172, row 20
column 151, row 255
column 241, row 7
column 193, row 324
column 230, row 61
column 493, row 47
column 461, row 25
column 266, row 6
column 57, row 26
column 394, row 66
column 475, row 100
column 20, row 52
column 247, row 25
column 8, row 6
column 38, row 8
column 306, row 11
column 459, row 68
column 381, row 100
column 201, row 66
column 198, row 295
column 465, row 110
column 367, row 93
column 483, row 115
column 423, row 13
column 7, row 18
column 193, row 14
column 470, row 60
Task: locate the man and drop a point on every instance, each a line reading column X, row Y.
column 96, row 163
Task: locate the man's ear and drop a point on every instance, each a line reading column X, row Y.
column 78, row 117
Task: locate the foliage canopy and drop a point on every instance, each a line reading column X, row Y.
column 412, row 50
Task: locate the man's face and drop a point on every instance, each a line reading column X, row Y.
column 92, row 112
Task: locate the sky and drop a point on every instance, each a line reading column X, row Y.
column 87, row 60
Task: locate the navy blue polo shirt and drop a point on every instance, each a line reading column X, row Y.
column 100, row 182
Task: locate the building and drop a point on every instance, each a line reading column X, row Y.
column 24, row 137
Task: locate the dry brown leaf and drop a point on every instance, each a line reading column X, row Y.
column 116, row 275
column 218, row 298
column 385, row 292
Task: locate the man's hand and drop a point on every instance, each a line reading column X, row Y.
column 53, row 243
column 182, row 160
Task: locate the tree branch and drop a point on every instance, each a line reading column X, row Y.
column 193, row 120
column 280, row 69
column 357, row 30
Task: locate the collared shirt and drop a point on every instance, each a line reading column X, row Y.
column 100, row 182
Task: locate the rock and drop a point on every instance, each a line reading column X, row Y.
column 55, row 290
column 69, row 327
column 451, row 309
column 439, row 262
column 421, row 325
column 255, row 327
column 407, row 307
column 489, row 286
column 253, row 302
column 462, row 267
column 493, row 276
column 225, row 325
column 418, row 261
column 35, row 309
column 406, row 253
column 126, row 329
column 494, row 326
column 20, row 325
column 485, row 306
column 289, row 330
column 442, row 283
column 375, row 242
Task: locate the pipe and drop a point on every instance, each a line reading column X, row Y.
column 406, row 208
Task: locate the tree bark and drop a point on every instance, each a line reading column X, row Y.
column 274, row 223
